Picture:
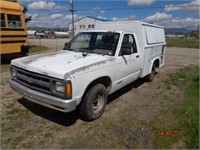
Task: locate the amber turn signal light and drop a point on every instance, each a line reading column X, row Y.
column 68, row 89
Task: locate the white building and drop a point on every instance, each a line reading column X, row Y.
column 31, row 33
column 85, row 23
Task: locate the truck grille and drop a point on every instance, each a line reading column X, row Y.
column 33, row 80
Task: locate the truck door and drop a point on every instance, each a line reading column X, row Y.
column 129, row 63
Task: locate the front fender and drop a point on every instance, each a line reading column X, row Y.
column 81, row 82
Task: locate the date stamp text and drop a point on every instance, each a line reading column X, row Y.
column 170, row 133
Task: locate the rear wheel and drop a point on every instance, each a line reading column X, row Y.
column 150, row 76
column 94, row 103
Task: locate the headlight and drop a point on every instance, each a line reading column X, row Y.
column 13, row 72
column 59, row 87
column 63, row 88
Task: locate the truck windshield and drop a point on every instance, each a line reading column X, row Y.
column 104, row 43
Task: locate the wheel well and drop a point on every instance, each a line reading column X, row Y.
column 157, row 63
column 106, row 81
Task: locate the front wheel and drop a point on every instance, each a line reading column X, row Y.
column 150, row 76
column 94, row 103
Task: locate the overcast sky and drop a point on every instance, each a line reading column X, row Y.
column 169, row 13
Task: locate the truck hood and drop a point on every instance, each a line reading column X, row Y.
column 61, row 64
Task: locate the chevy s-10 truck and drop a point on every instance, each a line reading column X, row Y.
column 91, row 66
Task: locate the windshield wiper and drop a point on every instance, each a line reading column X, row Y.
column 90, row 51
column 82, row 51
column 69, row 49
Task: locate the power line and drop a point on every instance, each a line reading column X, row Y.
column 122, row 8
column 129, row 8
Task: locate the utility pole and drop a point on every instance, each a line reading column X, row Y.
column 72, row 11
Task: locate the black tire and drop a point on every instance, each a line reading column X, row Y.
column 93, row 103
column 150, row 77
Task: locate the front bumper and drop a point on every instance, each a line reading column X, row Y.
column 44, row 99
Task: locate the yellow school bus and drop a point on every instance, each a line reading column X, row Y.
column 13, row 29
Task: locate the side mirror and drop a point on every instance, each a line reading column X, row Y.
column 126, row 51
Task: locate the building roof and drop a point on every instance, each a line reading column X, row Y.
column 99, row 19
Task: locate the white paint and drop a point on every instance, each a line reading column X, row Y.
column 148, row 36
column 83, row 70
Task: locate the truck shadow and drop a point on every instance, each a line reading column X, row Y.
column 64, row 119
column 68, row 119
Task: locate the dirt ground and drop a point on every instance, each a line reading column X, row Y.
column 124, row 124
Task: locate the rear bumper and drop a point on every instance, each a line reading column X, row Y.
column 44, row 99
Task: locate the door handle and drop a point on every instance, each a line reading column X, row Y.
column 137, row 56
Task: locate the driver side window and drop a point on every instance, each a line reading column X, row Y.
column 128, row 44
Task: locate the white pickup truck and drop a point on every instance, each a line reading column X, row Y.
column 90, row 67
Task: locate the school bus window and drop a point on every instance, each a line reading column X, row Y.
column 3, row 23
column 14, row 21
